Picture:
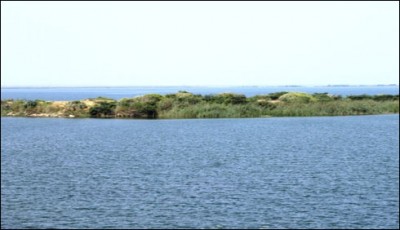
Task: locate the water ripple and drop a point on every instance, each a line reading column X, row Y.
column 331, row 172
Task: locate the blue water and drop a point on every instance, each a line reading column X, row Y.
column 124, row 92
column 319, row 172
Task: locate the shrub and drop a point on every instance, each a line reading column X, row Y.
column 30, row 104
column 76, row 108
column 142, row 107
column 359, row 97
column 297, row 98
column 186, row 98
column 385, row 97
column 275, row 96
column 75, row 105
column 323, row 97
column 230, row 98
column 103, row 109
column 266, row 104
column 166, row 104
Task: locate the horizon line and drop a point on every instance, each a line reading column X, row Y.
column 211, row 86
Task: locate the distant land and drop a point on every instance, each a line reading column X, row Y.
column 194, row 86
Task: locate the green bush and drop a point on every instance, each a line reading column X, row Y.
column 76, row 108
column 276, row 95
column 323, row 97
column 166, row 103
column 385, row 97
column 296, row 97
column 229, row 98
column 103, row 109
column 359, row 97
column 140, row 107
column 30, row 104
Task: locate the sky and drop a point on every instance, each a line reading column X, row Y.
column 199, row 43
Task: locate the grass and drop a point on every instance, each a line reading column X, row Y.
column 227, row 105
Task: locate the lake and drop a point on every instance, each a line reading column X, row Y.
column 315, row 172
column 78, row 93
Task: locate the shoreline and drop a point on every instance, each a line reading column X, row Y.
column 184, row 104
column 204, row 118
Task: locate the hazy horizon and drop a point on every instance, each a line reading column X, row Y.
column 161, row 44
column 208, row 86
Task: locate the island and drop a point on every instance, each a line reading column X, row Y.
column 184, row 104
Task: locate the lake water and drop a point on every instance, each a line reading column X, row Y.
column 124, row 92
column 319, row 172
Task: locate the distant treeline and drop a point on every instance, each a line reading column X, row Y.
column 225, row 105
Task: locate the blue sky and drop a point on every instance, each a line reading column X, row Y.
column 199, row 43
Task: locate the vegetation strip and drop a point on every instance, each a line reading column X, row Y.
column 225, row 105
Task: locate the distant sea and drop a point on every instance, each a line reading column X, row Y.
column 77, row 93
